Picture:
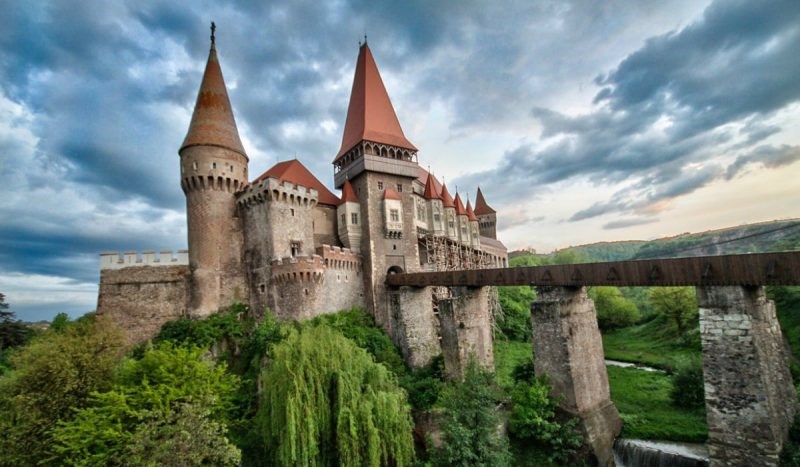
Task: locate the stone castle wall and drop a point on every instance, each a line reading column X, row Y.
column 140, row 299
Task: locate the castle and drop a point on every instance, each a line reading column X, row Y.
column 283, row 241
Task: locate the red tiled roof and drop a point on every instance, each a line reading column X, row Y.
column 370, row 115
column 390, row 194
column 422, row 177
column 460, row 206
column 212, row 121
column 430, row 189
column 480, row 205
column 471, row 214
column 295, row 172
column 348, row 195
column 447, row 200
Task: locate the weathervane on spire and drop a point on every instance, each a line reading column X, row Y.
column 213, row 28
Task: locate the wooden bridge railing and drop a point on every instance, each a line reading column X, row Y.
column 754, row 269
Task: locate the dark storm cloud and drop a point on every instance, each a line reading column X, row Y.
column 666, row 109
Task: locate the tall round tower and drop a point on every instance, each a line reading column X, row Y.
column 213, row 169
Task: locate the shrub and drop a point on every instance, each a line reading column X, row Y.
column 687, row 384
column 677, row 304
column 470, row 434
column 515, row 321
column 613, row 309
column 534, row 417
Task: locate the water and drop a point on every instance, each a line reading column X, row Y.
column 632, row 365
column 641, row 453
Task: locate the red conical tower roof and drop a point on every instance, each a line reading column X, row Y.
column 460, row 206
column 470, row 213
column 481, row 207
column 430, row 188
column 212, row 121
column 370, row 115
column 447, row 200
column 348, row 195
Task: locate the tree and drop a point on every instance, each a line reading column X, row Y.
column 325, row 401
column 470, row 429
column 677, row 304
column 13, row 332
column 613, row 309
column 168, row 387
column 515, row 322
column 51, row 376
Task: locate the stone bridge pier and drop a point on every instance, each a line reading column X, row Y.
column 568, row 348
column 750, row 398
column 466, row 328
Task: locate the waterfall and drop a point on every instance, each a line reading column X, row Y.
column 640, row 453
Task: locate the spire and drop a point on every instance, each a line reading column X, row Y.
column 370, row 115
column 481, row 207
column 460, row 211
column 447, row 200
column 470, row 213
column 430, row 188
column 348, row 195
column 212, row 121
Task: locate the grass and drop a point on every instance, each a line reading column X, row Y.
column 641, row 397
column 647, row 412
column 653, row 343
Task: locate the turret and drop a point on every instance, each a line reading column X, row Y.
column 450, row 221
column 435, row 211
column 213, row 169
column 487, row 217
column 474, row 229
column 462, row 222
column 349, row 218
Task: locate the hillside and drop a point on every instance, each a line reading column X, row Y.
column 748, row 238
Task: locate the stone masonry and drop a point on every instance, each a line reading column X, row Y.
column 466, row 329
column 750, row 398
column 568, row 348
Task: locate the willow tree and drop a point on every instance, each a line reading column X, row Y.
column 326, row 402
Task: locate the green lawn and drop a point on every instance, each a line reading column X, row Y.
column 641, row 397
column 652, row 344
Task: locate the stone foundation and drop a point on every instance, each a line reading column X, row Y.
column 413, row 326
column 466, row 328
column 568, row 349
column 750, row 398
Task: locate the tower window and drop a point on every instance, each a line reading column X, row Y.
column 380, row 185
column 399, row 187
column 292, row 212
column 343, row 219
column 213, row 165
column 354, row 218
column 194, row 165
column 394, row 215
column 295, row 249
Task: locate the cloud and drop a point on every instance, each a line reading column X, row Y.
column 765, row 156
column 623, row 223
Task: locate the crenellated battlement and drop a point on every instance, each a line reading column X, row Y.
column 335, row 257
column 115, row 260
column 308, row 269
column 211, row 182
column 273, row 190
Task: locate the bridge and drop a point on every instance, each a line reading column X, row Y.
column 749, row 395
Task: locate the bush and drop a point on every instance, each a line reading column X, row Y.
column 225, row 324
column 534, row 417
column 687, row 385
column 613, row 309
column 524, row 372
column 515, row 322
column 677, row 304
column 470, row 434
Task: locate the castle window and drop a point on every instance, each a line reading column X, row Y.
column 421, row 211
column 399, row 187
column 354, row 218
column 292, row 212
column 194, row 165
column 263, row 288
column 436, row 217
column 213, row 165
column 394, row 215
column 380, row 185
column 344, row 219
column 295, row 246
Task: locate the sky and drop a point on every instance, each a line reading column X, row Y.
column 581, row 121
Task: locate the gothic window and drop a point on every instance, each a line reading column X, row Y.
column 394, row 215
column 437, row 218
column 354, row 218
column 380, row 185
